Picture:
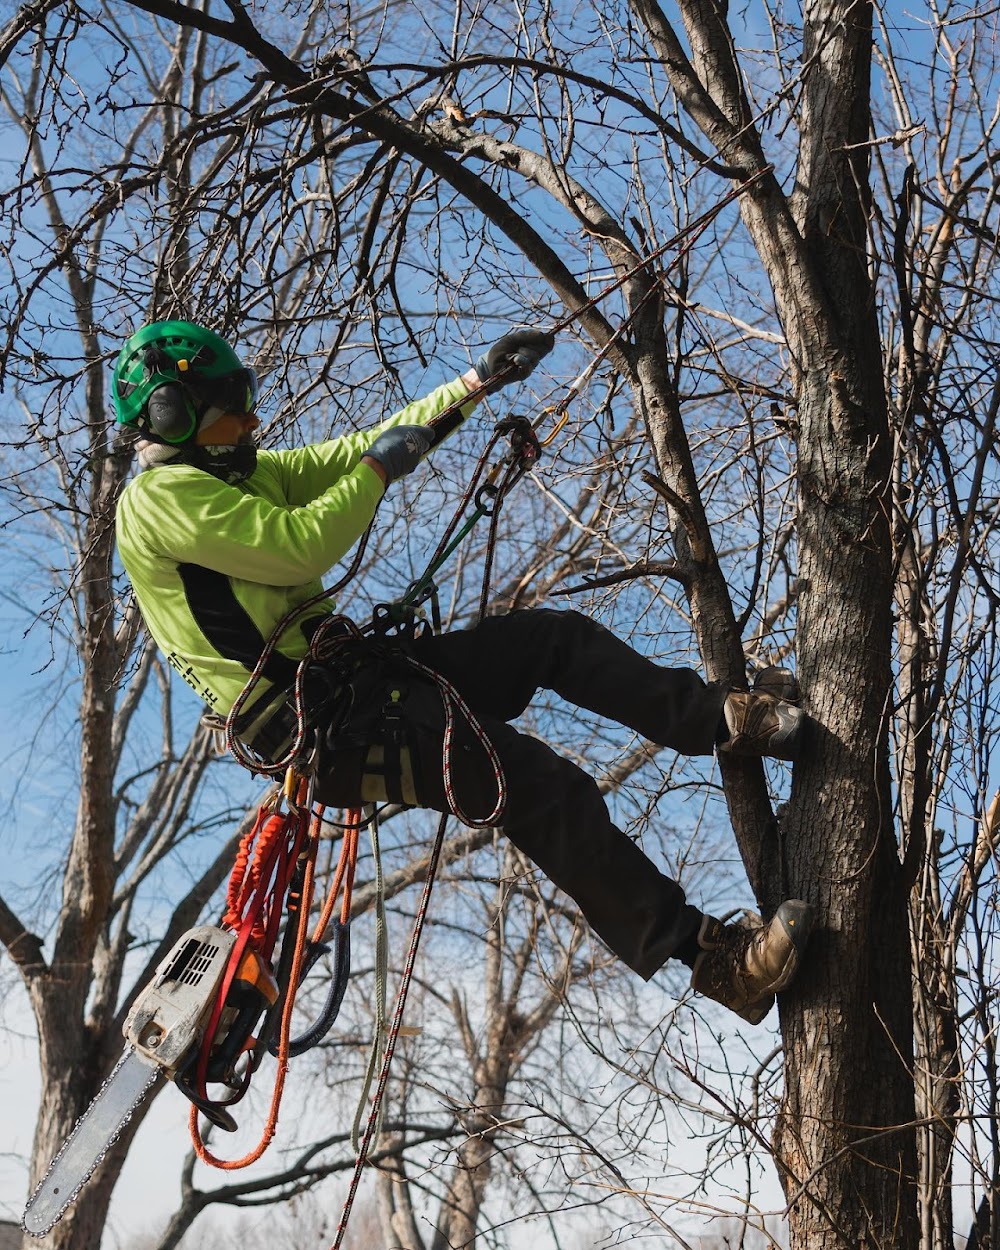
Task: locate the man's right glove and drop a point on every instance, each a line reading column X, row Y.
column 400, row 449
column 513, row 357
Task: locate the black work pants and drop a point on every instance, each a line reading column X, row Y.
column 555, row 813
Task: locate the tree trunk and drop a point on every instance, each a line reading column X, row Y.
column 845, row 1137
column 473, row 1171
column 937, row 1072
column 845, row 1134
column 76, row 1050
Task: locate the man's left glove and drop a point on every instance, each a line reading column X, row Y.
column 400, row 449
column 513, row 357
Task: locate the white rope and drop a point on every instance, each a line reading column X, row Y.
column 377, row 1051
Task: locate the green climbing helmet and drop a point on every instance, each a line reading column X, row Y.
column 170, row 373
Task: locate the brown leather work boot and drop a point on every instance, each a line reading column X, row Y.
column 780, row 682
column 744, row 965
column 760, row 724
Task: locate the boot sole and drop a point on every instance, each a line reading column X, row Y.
column 782, row 743
column 755, row 1012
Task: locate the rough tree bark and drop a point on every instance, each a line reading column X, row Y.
column 845, row 1139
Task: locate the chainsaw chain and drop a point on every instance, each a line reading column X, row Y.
column 154, row 1075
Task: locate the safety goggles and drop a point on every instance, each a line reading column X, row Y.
column 237, row 392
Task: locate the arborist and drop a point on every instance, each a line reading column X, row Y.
column 221, row 539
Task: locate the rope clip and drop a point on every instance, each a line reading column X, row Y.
column 486, row 498
column 561, row 412
column 299, row 781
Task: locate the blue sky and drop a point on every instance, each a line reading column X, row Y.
column 38, row 780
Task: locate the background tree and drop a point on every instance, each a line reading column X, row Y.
column 837, row 330
column 142, row 803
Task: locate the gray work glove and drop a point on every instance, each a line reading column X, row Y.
column 400, row 449
column 513, row 357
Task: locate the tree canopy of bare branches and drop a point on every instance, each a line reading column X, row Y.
column 775, row 232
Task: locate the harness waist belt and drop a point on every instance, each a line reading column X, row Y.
column 326, row 690
column 273, row 738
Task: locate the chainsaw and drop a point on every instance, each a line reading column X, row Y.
column 165, row 1031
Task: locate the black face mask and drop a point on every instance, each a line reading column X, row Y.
column 231, row 464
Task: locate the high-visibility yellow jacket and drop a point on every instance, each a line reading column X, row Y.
column 215, row 567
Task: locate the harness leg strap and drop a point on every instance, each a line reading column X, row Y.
column 387, row 773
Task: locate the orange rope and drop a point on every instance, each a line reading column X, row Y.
column 270, row 1126
column 244, row 880
column 246, row 875
column 344, row 875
